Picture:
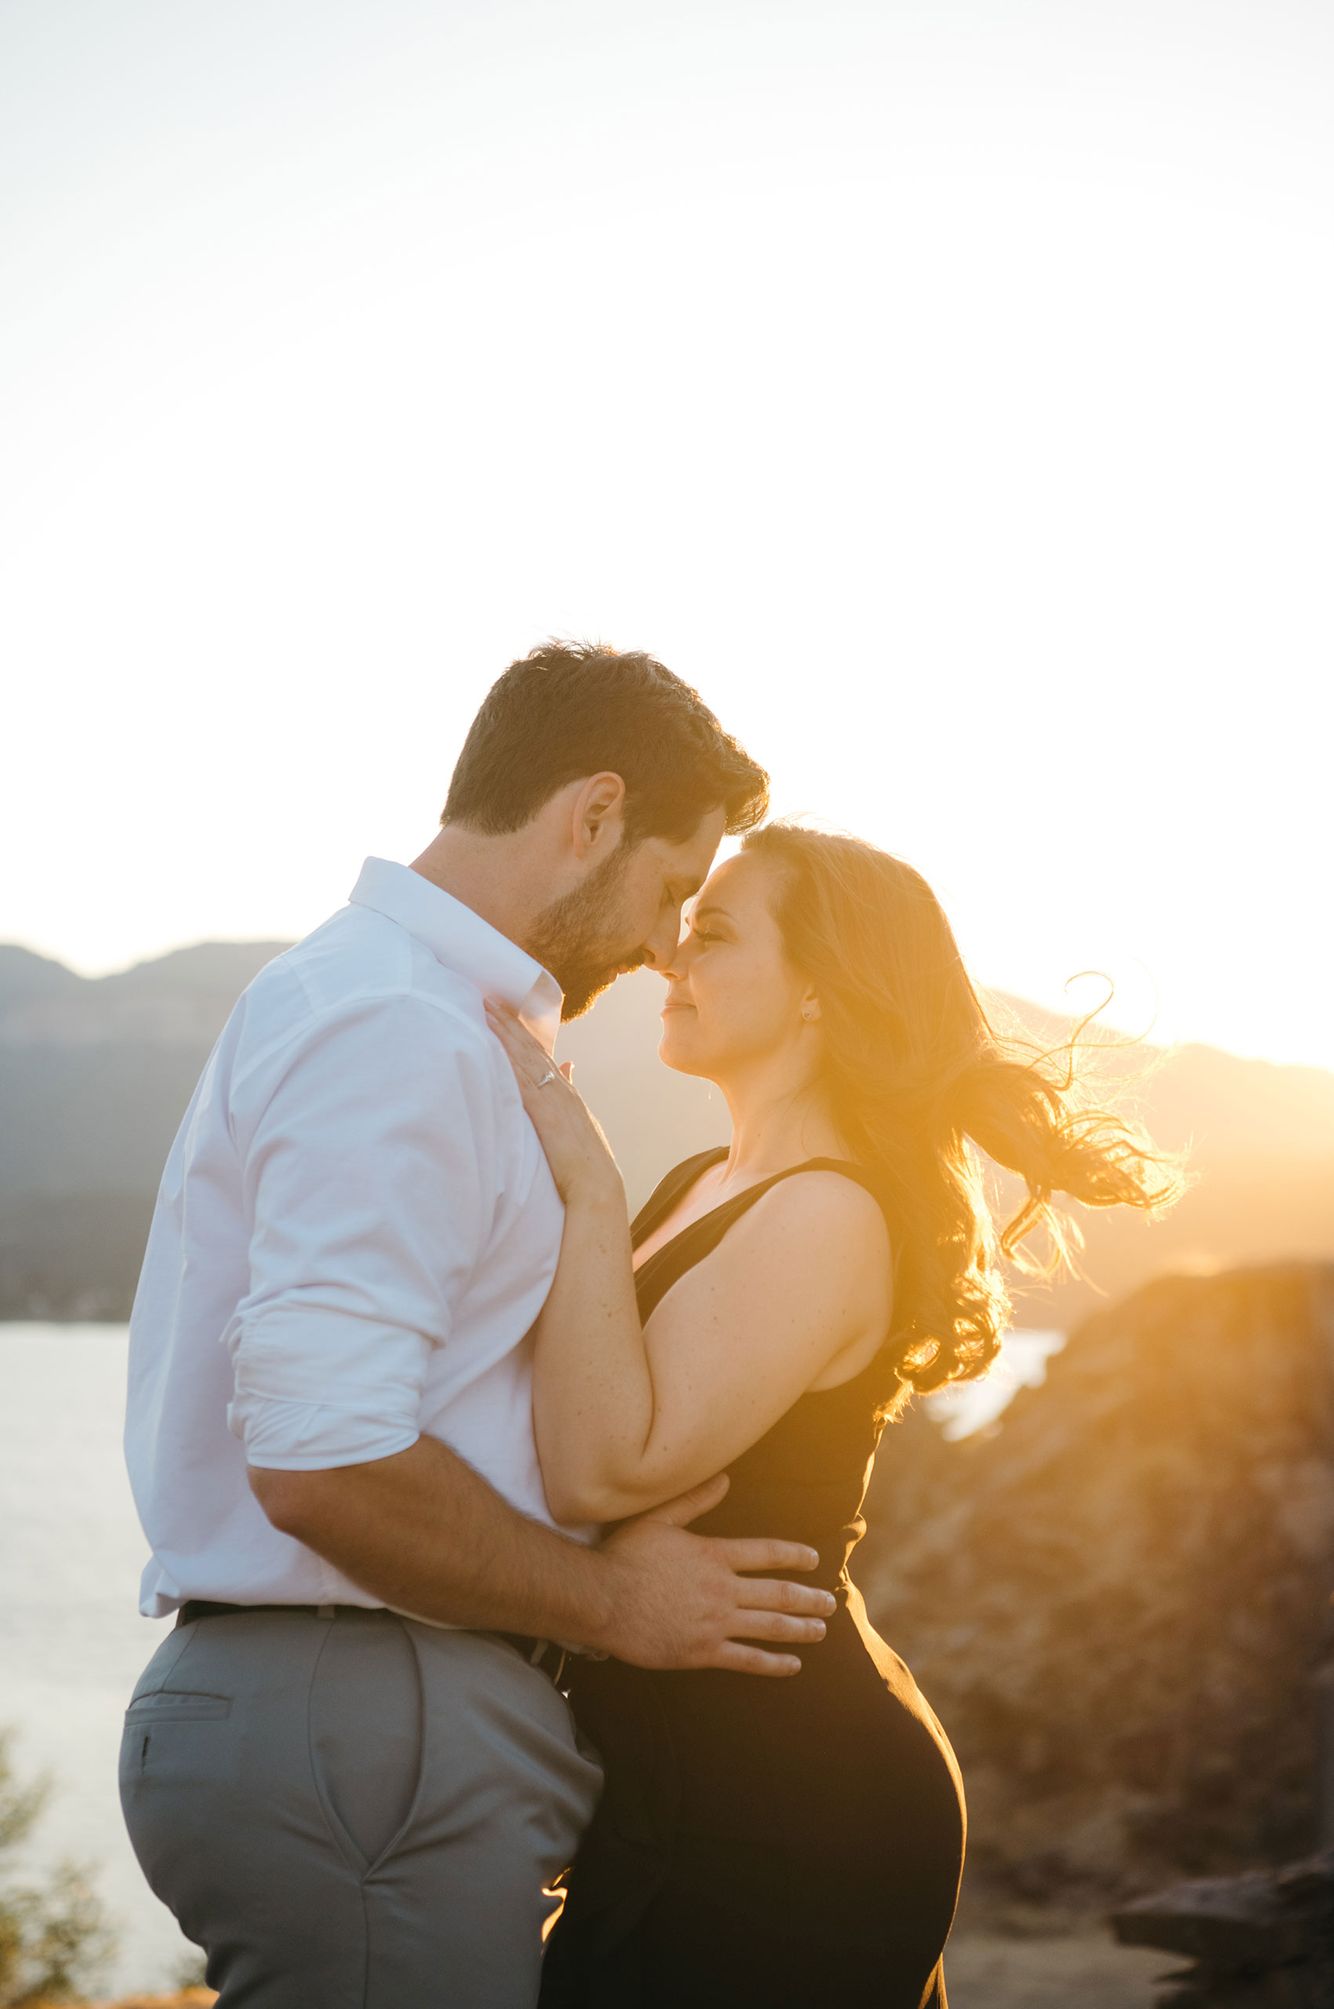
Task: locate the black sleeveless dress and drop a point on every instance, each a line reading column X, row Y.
column 775, row 1842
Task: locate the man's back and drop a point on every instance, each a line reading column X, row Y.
column 353, row 1236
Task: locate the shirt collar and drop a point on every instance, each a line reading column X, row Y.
column 459, row 938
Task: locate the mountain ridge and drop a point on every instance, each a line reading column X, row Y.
column 95, row 1073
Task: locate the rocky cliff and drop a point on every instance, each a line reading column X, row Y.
column 1118, row 1599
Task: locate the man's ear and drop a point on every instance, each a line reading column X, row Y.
column 598, row 816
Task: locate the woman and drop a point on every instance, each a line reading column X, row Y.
column 790, row 1841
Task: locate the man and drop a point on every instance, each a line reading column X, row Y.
column 348, row 1769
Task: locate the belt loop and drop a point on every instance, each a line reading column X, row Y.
column 538, row 1658
column 326, row 1611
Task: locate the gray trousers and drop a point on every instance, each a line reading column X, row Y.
column 354, row 1810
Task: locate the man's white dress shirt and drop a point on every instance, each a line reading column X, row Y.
column 354, row 1234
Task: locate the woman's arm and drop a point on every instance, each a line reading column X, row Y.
column 629, row 1415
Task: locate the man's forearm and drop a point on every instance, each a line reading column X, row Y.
column 425, row 1533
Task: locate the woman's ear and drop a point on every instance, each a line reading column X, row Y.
column 810, row 1008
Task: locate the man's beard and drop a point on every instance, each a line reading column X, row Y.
column 571, row 937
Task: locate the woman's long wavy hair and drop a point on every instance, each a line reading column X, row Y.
column 916, row 1076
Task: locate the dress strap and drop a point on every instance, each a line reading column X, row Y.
column 731, row 1210
column 844, row 1165
column 701, row 1236
column 709, row 1228
column 670, row 1188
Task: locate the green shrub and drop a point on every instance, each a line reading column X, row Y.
column 54, row 1935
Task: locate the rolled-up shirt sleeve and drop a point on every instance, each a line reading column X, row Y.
column 366, row 1153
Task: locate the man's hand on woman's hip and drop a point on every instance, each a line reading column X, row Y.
column 684, row 1600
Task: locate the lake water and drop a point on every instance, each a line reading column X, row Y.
column 73, row 1643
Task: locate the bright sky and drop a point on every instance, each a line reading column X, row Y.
column 944, row 388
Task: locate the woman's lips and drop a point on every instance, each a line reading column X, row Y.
column 679, row 1005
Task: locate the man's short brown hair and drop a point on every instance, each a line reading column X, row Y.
column 571, row 709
